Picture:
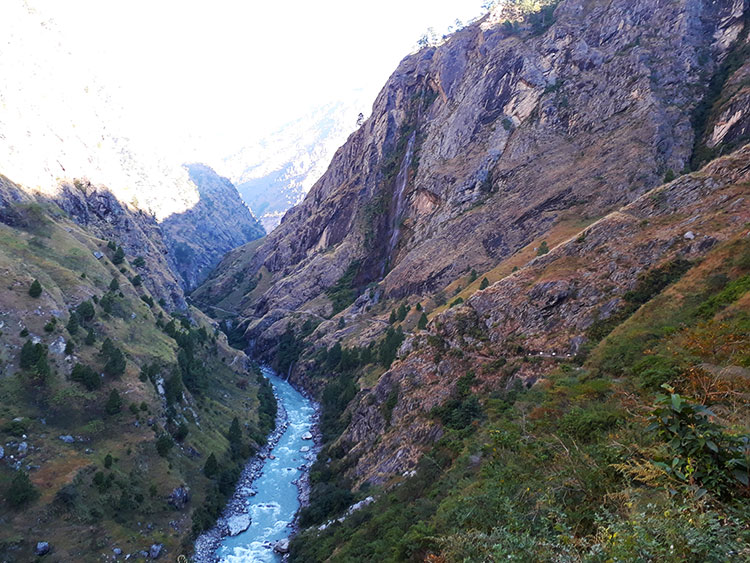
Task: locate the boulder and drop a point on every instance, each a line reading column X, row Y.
column 282, row 546
column 2, row 452
column 117, row 551
column 307, row 436
column 155, row 550
column 179, row 497
column 238, row 524
column 68, row 439
column 42, row 548
column 23, row 448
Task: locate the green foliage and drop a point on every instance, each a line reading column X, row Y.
column 114, row 285
column 334, row 400
column 389, row 404
column 35, row 290
column 473, row 276
column 136, row 280
column 543, row 249
column 21, row 491
column 114, row 359
column 86, row 311
column 389, row 346
column 402, row 312
column 69, row 348
column 114, row 403
column 164, row 444
column 119, row 256
column 90, row 338
column 211, row 467
column 669, row 176
column 182, row 432
column 457, row 302
column 50, row 326
column 698, row 452
column 73, row 323
column 484, row 284
column 86, row 376
column 422, row 322
column 139, row 262
column 393, row 317
column 148, row 300
column 463, row 408
column 108, row 461
column 34, row 360
column 342, row 293
column 731, row 293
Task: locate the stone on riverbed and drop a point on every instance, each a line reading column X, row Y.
column 304, row 449
column 307, row 436
column 282, row 546
column 238, row 524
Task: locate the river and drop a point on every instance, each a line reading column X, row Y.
column 273, row 508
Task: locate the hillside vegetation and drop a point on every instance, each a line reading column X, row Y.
column 109, row 405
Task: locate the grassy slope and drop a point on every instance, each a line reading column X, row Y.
column 58, row 252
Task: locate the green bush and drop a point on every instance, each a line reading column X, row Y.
column 163, row 444
column 119, row 256
column 211, row 466
column 543, row 249
column 86, row 376
column 86, row 311
column 21, row 490
column 35, row 290
column 73, row 323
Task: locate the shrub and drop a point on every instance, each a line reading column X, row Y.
column 163, row 444
column 108, row 461
column 484, row 284
column 21, row 490
column 699, row 453
column 457, row 302
column 69, row 347
column 35, row 290
column 139, row 262
column 90, row 338
column 136, row 280
column 114, row 285
column 422, row 323
column 86, row 311
column 543, row 249
column 86, row 376
column 119, row 256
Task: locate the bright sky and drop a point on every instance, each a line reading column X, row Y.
column 205, row 77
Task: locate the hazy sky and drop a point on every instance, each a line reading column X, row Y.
column 206, row 76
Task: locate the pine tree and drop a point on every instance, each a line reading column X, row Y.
column 29, row 354
column 73, row 323
column 235, row 432
column 119, row 256
column 393, row 318
column 114, row 285
column 422, row 323
column 35, row 290
column 484, row 284
column 86, row 311
column 114, row 403
column 90, row 338
column 211, row 467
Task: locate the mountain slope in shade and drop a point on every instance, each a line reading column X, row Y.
column 200, row 236
column 59, row 126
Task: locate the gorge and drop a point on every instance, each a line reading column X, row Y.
column 509, row 321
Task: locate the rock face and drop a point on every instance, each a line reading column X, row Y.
column 547, row 306
column 477, row 147
column 100, row 212
column 179, row 497
column 199, row 237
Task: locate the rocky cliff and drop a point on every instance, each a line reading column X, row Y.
column 482, row 145
column 552, row 311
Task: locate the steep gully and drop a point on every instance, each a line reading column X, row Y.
column 259, row 518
